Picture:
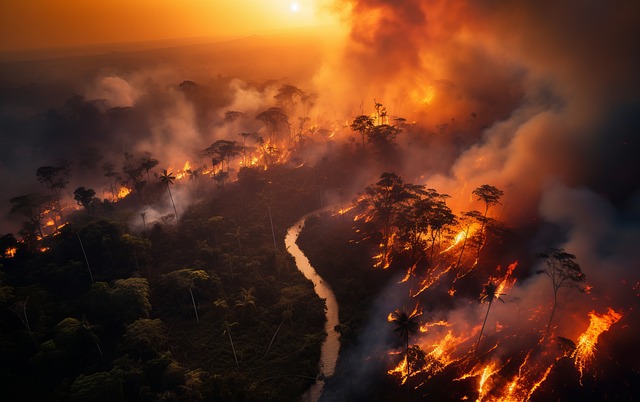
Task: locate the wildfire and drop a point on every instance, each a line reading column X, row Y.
column 181, row 174
column 461, row 236
column 123, row 192
column 585, row 349
column 10, row 252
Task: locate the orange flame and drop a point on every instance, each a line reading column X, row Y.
column 585, row 349
column 10, row 252
column 123, row 192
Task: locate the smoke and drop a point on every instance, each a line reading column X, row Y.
column 115, row 91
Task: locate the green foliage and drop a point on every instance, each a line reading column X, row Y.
column 145, row 338
column 103, row 386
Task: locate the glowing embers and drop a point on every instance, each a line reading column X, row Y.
column 585, row 349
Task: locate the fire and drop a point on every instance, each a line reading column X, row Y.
column 585, row 349
column 400, row 370
column 123, row 192
column 464, row 233
column 10, row 252
column 181, row 174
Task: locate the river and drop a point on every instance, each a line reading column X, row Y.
column 331, row 345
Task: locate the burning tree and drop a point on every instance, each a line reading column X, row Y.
column 564, row 272
column 56, row 178
column 384, row 202
column 33, row 207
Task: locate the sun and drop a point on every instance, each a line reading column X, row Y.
column 294, row 7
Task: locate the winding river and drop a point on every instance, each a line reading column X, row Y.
column 331, row 345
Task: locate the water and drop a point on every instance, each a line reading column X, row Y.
column 331, row 345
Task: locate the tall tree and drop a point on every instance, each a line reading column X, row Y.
column 564, row 272
column 405, row 325
column 490, row 292
column 168, row 178
column 56, row 178
column 490, row 195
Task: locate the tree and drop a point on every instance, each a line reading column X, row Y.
column 168, row 178
column 490, row 292
column 491, row 196
column 276, row 121
column 147, row 163
column 110, row 173
column 33, row 207
column 133, row 170
column 186, row 279
column 145, row 338
column 362, row 124
column 227, row 329
column 564, row 272
column 405, row 325
column 467, row 219
column 131, row 298
column 56, row 179
column 85, row 197
column 383, row 201
column 222, row 150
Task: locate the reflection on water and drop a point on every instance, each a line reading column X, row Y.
column 331, row 346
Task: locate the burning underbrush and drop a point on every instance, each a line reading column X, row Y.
column 473, row 326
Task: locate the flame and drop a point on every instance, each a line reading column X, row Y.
column 464, row 233
column 585, row 349
column 181, row 174
column 10, row 252
column 401, row 370
column 123, row 192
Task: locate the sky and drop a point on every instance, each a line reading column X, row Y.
column 33, row 24
column 539, row 98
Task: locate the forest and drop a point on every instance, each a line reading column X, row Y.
column 469, row 196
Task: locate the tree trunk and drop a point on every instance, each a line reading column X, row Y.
column 173, row 203
column 233, row 348
column 195, row 309
column 483, row 324
column 553, row 311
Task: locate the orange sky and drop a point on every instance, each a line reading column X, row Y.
column 28, row 24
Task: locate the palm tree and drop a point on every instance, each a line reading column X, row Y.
column 406, row 324
column 490, row 292
column 168, row 178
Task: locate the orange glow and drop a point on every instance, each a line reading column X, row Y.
column 44, row 24
column 123, row 192
column 10, row 252
column 586, row 347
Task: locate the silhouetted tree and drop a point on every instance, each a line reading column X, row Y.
column 489, row 293
column 491, row 196
column 168, row 178
column 564, row 272
column 362, row 124
column 85, row 197
column 405, row 325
